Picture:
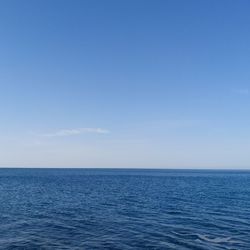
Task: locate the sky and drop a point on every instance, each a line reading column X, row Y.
column 128, row 83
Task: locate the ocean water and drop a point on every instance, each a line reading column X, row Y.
column 124, row 209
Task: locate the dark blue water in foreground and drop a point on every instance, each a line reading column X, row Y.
column 124, row 209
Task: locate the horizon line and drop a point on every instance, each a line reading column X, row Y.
column 129, row 168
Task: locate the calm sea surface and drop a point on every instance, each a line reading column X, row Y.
column 124, row 209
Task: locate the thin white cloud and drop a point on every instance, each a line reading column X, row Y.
column 242, row 91
column 77, row 131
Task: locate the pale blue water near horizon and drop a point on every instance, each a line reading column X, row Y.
column 124, row 209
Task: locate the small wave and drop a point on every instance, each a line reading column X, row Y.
column 216, row 239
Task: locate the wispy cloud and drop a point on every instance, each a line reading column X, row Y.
column 242, row 91
column 76, row 131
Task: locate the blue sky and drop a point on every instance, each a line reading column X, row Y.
column 125, row 83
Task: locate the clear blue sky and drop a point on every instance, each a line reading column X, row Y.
column 130, row 83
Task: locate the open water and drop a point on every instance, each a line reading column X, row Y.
column 124, row 209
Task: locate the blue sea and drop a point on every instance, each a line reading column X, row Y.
column 124, row 209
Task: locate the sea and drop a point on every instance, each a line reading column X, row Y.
column 124, row 209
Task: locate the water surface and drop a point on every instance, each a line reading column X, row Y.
column 124, row 209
